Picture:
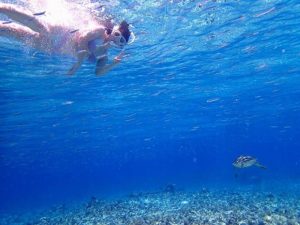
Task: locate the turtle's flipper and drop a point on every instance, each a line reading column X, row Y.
column 260, row 166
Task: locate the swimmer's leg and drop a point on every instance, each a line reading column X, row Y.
column 22, row 16
column 81, row 56
column 20, row 33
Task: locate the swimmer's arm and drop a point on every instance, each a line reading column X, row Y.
column 94, row 34
column 81, row 56
column 104, row 69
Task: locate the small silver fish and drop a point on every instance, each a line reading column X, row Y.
column 39, row 13
column 6, row 22
column 100, row 7
column 247, row 161
column 74, row 31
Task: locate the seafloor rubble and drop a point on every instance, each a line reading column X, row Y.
column 169, row 207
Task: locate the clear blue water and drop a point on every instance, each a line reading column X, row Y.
column 204, row 82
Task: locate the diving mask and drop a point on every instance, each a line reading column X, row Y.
column 117, row 38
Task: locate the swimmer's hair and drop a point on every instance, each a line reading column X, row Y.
column 108, row 26
column 124, row 29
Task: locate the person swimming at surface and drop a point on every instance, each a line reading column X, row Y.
column 91, row 44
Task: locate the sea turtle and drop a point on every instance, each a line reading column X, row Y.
column 247, row 161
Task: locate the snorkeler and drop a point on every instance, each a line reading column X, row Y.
column 91, row 44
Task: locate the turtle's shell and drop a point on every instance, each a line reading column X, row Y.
column 244, row 161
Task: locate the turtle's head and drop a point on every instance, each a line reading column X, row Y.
column 235, row 164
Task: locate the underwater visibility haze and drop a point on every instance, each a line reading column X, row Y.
column 203, row 83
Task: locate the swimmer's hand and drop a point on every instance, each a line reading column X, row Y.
column 119, row 58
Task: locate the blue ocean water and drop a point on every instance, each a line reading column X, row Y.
column 203, row 83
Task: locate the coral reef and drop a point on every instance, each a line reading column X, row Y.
column 205, row 207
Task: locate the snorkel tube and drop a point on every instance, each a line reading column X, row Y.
column 131, row 38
